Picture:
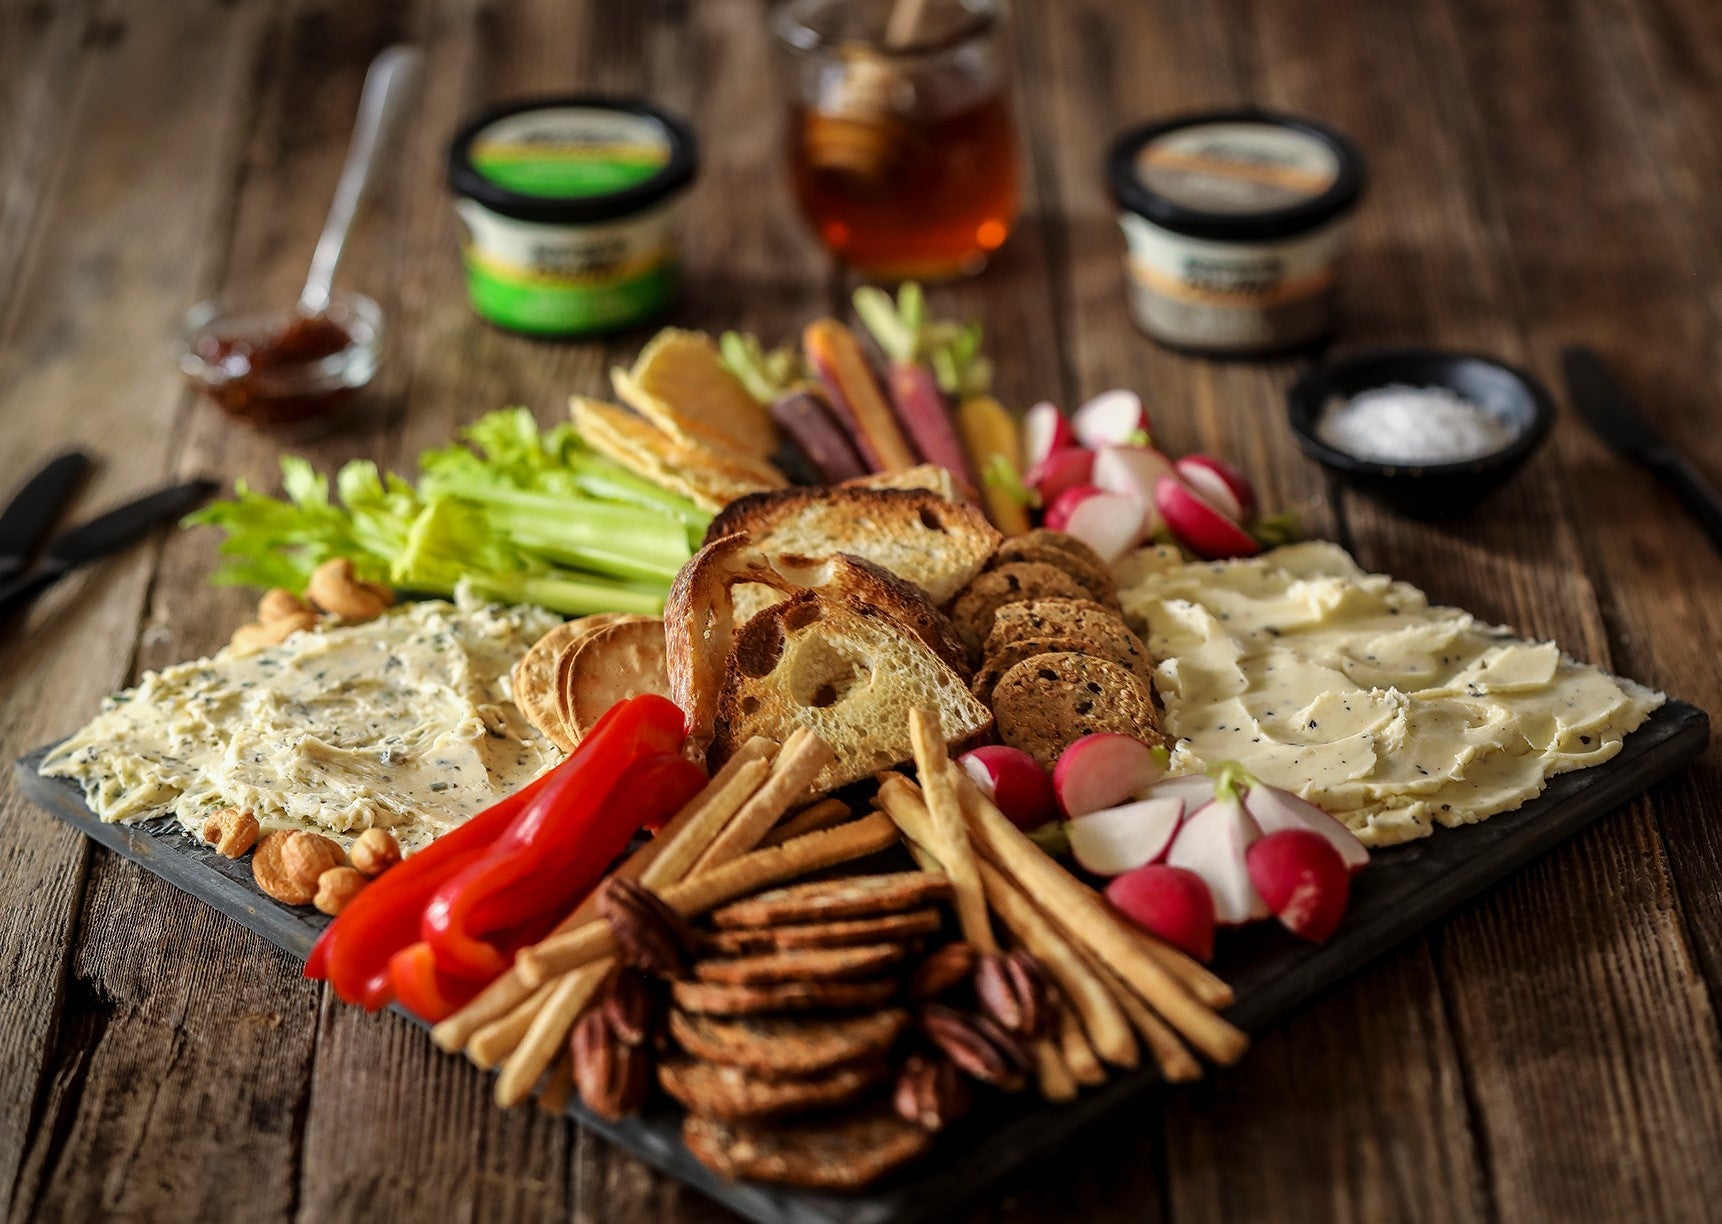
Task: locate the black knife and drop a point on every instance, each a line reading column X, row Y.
column 1614, row 419
column 100, row 536
column 31, row 515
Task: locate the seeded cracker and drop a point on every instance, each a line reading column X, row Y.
column 735, row 1095
column 801, row 965
column 828, row 900
column 723, row 999
column 888, row 928
column 1046, row 703
column 844, row 1153
column 788, row 1046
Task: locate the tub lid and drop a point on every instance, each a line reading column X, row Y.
column 1238, row 176
column 572, row 160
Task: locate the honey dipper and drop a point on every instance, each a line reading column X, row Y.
column 855, row 134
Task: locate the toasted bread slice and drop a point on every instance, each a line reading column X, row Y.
column 850, row 672
column 700, row 620
column 934, row 543
column 680, row 384
column 929, row 476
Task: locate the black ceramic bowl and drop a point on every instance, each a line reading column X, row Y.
column 1433, row 489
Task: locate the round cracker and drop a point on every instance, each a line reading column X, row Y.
column 727, row 999
column 616, row 661
column 1072, row 618
column 1126, row 652
column 713, row 1090
column 800, row 965
column 843, row 1152
column 1064, row 552
column 533, row 679
column 788, row 1047
column 1045, row 704
column 975, row 608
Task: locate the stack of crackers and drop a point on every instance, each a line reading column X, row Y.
column 791, row 1029
column 1056, row 660
column 693, row 427
column 572, row 675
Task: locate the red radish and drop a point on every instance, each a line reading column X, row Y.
column 1109, row 524
column 1220, row 483
column 1103, row 770
column 1067, row 468
column 1112, row 418
column 1044, row 430
column 1060, row 508
column 1194, row 789
column 1209, row 533
column 1169, row 902
column 1134, row 471
column 1015, row 782
column 1302, row 879
column 1212, row 843
column 1273, row 809
column 1119, row 839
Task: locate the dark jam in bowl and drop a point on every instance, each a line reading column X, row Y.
column 280, row 369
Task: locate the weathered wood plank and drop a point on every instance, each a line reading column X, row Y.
column 87, row 364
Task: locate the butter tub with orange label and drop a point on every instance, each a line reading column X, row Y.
column 1236, row 224
column 568, row 211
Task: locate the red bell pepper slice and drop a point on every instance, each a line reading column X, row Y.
column 354, row 951
column 422, row 989
column 548, row 863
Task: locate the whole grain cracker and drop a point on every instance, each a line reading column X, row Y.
column 843, row 1152
column 1046, row 703
column 974, row 609
column 828, row 900
column 800, row 965
column 726, row 999
column 713, row 1090
column 802, row 1045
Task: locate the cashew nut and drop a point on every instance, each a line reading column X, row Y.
column 336, row 589
column 279, row 604
column 259, row 634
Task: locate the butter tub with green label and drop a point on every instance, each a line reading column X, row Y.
column 568, row 209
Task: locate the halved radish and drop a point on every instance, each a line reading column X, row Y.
column 1212, row 842
column 1112, row 418
column 1134, row 471
column 1273, row 809
column 1194, row 789
column 1302, row 879
column 1060, row 508
column 1109, row 524
column 1065, row 468
column 1119, row 839
column 1205, row 473
column 1208, row 533
column 1044, row 430
column 1169, row 902
column 1015, row 782
column 1103, row 770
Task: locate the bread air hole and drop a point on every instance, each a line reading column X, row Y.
column 823, row 674
column 930, row 521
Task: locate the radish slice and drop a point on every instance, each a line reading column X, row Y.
column 1109, row 524
column 1103, row 770
column 1303, row 881
column 1119, row 839
column 1044, row 430
column 1211, row 489
column 1135, row 472
column 1065, row 468
column 1060, row 508
column 1273, row 809
column 1015, row 782
column 1169, row 902
column 1112, row 418
column 1208, row 533
column 1205, row 472
column 1194, row 789
column 1212, row 843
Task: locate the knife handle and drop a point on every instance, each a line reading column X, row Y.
column 1695, row 490
column 18, row 594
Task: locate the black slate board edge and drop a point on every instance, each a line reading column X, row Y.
column 1403, row 890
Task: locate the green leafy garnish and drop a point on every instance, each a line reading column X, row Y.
column 1001, row 473
column 1230, row 780
column 1277, row 529
column 766, row 375
column 1053, row 838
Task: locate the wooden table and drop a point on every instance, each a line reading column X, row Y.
column 1543, row 173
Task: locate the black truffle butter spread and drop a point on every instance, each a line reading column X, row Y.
column 1236, row 223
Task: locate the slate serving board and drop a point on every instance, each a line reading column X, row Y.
column 1403, row 890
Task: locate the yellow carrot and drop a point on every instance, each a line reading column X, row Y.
column 837, row 359
column 995, row 453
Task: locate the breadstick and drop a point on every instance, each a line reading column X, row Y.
column 548, row 1032
column 1092, row 924
column 678, row 842
column 804, row 755
column 1177, row 1065
column 496, row 1040
column 951, row 846
column 553, row 1100
column 1102, row 1017
column 821, row 815
column 1078, row 1054
column 708, row 890
column 1052, row 1072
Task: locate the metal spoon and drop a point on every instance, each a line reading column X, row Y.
column 392, row 77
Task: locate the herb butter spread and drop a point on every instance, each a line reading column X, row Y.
column 1352, row 690
column 405, row 723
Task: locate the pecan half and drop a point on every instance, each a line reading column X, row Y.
column 649, row 934
column 943, row 971
column 931, row 1093
column 630, row 1006
column 979, row 1047
column 1014, row 990
column 613, row 1077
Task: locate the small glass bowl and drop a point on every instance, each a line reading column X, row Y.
column 298, row 397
